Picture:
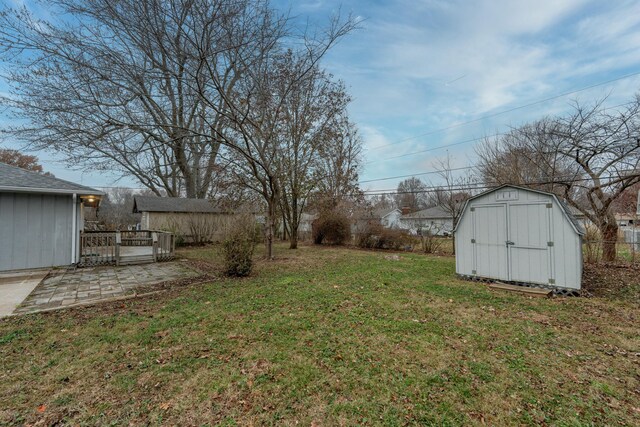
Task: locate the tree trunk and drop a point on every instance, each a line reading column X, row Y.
column 453, row 243
column 270, row 228
column 293, row 234
column 609, row 231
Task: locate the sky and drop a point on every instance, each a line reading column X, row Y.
column 439, row 75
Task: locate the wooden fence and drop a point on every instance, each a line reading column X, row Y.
column 120, row 247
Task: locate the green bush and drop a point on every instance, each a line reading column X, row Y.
column 333, row 228
column 238, row 256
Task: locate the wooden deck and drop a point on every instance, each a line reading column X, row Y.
column 125, row 247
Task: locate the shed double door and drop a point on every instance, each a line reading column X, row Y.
column 511, row 242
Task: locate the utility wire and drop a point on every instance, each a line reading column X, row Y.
column 495, row 135
column 414, row 174
column 499, row 113
column 476, row 185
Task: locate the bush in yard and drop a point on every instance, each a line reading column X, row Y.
column 430, row 242
column 331, row 227
column 592, row 245
column 238, row 256
column 238, row 248
column 394, row 239
column 375, row 236
column 368, row 237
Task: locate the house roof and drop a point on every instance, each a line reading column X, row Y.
column 381, row 213
column 173, row 204
column 566, row 209
column 436, row 212
column 14, row 179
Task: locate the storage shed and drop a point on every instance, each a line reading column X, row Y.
column 40, row 219
column 519, row 235
column 194, row 220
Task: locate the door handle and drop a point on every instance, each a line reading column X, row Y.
column 509, row 242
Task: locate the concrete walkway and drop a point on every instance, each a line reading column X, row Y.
column 89, row 285
column 15, row 287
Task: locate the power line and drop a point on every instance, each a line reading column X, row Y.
column 415, row 174
column 488, row 116
column 495, row 135
column 434, row 148
column 476, row 185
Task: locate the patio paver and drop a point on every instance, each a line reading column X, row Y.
column 93, row 284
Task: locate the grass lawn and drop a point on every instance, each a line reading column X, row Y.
column 327, row 336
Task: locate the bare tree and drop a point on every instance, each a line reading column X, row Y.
column 265, row 81
column 314, row 108
column 597, row 152
column 452, row 192
column 411, row 193
column 523, row 157
column 116, row 209
column 115, row 86
column 338, row 166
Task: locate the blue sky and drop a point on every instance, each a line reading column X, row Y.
column 416, row 67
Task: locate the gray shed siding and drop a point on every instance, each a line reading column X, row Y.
column 35, row 230
column 522, row 218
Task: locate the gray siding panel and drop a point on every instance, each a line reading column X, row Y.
column 529, row 227
column 35, row 230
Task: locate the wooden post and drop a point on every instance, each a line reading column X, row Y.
column 154, row 236
column 118, row 243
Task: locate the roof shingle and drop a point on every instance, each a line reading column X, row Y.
column 173, row 204
column 435, row 212
column 16, row 179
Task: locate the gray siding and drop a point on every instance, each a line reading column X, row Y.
column 529, row 226
column 35, row 230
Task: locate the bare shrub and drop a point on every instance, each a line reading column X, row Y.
column 375, row 236
column 431, row 243
column 332, row 228
column 592, row 245
column 368, row 236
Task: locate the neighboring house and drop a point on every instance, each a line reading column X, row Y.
column 41, row 218
column 388, row 218
column 305, row 225
column 436, row 220
column 193, row 220
column 305, row 228
column 625, row 219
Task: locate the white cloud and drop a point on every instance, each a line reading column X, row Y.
column 404, row 67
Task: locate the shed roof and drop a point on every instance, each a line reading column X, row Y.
column 14, row 179
column 173, row 204
column 566, row 209
column 436, row 212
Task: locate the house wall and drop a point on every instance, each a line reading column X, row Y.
column 190, row 226
column 438, row 226
column 391, row 220
column 526, row 221
column 36, row 230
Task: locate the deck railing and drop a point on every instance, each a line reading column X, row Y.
column 106, row 247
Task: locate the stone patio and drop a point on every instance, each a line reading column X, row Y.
column 89, row 285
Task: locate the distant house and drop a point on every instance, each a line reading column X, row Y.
column 435, row 219
column 387, row 217
column 625, row 219
column 41, row 218
column 192, row 220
